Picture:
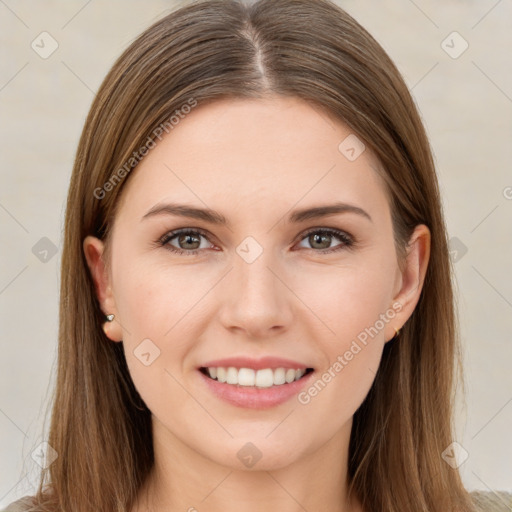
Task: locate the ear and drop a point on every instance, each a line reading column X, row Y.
column 93, row 249
column 409, row 282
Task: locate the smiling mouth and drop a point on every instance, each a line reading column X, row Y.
column 247, row 377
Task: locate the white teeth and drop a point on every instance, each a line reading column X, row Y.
column 290, row 376
column 264, row 378
column 221, row 374
column 260, row 378
column 246, row 377
column 279, row 376
column 232, row 375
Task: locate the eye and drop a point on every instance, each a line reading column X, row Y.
column 188, row 241
column 320, row 238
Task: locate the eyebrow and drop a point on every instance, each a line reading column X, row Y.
column 214, row 217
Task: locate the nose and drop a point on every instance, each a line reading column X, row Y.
column 256, row 299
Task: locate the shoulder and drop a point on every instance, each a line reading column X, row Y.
column 24, row 504
column 484, row 502
column 492, row 501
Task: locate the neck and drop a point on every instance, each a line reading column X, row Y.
column 183, row 479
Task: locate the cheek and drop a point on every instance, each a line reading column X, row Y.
column 155, row 342
column 151, row 309
column 153, row 300
column 355, row 303
column 339, row 389
column 347, row 299
column 364, row 297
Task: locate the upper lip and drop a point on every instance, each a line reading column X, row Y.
column 256, row 364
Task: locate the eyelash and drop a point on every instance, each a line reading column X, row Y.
column 348, row 240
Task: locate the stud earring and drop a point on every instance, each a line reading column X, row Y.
column 106, row 325
column 397, row 332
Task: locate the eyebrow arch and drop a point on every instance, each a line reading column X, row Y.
column 322, row 211
column 213, row 217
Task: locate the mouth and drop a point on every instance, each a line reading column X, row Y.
column 252, row 378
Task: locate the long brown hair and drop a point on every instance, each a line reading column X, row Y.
column 207, row 50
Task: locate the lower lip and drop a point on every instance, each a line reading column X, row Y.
column 253, row 397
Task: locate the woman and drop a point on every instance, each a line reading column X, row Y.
column 255, row 369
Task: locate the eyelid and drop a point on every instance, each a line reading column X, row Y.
column 324, row 229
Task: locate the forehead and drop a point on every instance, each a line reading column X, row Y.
column 254, row 156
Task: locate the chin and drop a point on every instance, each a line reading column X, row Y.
column 259, row 452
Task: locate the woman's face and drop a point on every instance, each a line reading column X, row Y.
column 270, row 288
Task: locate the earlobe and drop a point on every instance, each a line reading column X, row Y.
column 93, row 250
column 413, row 275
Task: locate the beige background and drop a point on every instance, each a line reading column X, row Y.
column 466, row 103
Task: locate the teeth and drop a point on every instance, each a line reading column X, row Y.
column 260, row 378
column 264, row 378
column 232, row 376
column 245, row 377
column 290, row 376
column 221, row 374
column 279, row 376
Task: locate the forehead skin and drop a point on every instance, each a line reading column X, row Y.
column 256, row 160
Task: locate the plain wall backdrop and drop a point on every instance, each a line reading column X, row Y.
column 455, row 57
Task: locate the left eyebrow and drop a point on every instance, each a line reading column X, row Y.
column 214, row 217
column 323, row 211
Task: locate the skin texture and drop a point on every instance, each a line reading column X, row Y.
column 254, row 161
